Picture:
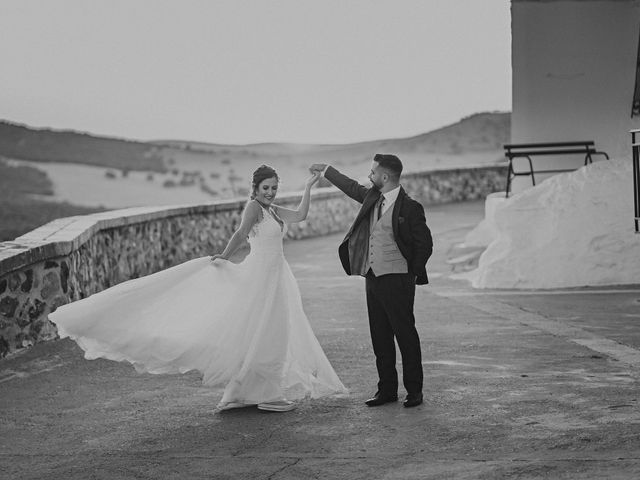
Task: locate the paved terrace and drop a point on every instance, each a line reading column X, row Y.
column 541, row 384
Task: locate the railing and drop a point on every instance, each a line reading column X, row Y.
column 635, row 148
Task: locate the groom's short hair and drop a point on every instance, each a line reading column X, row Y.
column 389, row 162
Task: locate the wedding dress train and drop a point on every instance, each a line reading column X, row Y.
column 240, row 325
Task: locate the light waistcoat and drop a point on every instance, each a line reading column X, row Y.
column 383, row 256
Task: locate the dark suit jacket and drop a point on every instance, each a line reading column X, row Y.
column 410, row 230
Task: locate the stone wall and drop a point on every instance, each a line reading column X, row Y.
column 71, row 258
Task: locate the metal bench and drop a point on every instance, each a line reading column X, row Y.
column 529, row 150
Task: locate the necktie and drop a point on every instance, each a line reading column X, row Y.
column 380, row 205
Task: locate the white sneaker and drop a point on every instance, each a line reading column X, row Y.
column 277, row 406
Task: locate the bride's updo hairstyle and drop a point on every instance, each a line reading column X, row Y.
column 262, row 173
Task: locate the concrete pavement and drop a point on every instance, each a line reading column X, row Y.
column 538, row 384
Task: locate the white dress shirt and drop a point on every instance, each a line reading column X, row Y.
column 389, row 199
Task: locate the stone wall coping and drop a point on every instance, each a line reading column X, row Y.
column 62, row 236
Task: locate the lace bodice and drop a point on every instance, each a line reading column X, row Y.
column 267, row 234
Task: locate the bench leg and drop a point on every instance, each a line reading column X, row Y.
column 533, row 177
column 588, row 159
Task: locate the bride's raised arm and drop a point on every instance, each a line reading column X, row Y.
column 289, row 215
column 250, row 216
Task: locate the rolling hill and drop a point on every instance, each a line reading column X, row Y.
column 46, row 145
column 482, row 132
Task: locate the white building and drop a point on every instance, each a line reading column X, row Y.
column 575, row 66
column 575, row 77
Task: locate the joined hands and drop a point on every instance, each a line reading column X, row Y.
column 317, row 168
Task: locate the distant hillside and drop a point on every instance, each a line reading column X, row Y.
column 44, row 145
column 481, row 132
column 476, row 133
column 476, row 139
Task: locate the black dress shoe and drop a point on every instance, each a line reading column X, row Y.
column 381, row 399
column 413, row 400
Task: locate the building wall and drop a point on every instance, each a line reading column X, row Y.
column 574, row 67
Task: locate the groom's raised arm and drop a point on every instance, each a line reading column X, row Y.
column 348, row 185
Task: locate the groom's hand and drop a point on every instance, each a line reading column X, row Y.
column 317, row 167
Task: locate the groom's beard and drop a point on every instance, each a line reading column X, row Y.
column 378, row 186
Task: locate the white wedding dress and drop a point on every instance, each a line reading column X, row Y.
column 241, row 325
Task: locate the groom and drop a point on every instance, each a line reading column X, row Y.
column 389, row 244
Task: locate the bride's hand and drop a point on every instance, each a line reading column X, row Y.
column 311, row 181
column 216, row 257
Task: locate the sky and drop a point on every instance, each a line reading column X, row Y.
column 250, row 71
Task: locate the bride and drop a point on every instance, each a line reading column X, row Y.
column 241, row 325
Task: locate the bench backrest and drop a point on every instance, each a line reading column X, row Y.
column 559, row 148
